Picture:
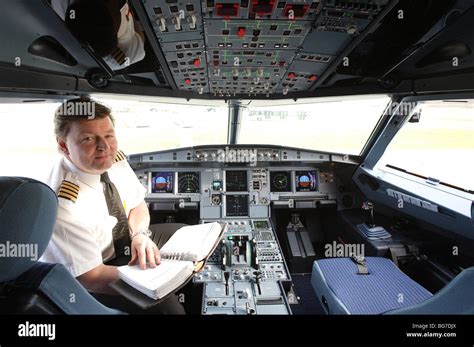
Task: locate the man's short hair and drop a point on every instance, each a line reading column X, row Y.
column 83, row 108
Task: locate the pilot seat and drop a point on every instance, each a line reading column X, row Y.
column 28, row 211
column 374, row 285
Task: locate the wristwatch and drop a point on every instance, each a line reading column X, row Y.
column 146, row 232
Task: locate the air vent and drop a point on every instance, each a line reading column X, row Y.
column 49, row 48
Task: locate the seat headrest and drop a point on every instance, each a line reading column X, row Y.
column 28, row 210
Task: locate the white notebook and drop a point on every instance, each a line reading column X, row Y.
column 180, row 255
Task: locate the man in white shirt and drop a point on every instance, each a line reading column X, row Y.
column 108, row 26
column 83, row 235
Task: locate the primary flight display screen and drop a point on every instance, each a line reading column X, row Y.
column 162, row 182
column 306, row 181
column 236, row 181
column 237, row 206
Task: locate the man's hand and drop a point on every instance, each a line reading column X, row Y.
column 143, row 249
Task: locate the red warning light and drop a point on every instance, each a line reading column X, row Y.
column 241, row 32
column 313, row 78
column 227, row 10
column 262, row 7
column 297, row 11
column 187, row 81
column 291, row 75
column 197, row 62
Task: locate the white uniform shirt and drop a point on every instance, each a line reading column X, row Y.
column 82, row 236
column 128, row 40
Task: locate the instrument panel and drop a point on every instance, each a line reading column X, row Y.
column 197, row 178
column 247, row 273
column 237, row 47
column 240, row 192
column 235, row 181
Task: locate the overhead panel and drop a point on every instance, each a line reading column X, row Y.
column 255, row 47
column 178, row 26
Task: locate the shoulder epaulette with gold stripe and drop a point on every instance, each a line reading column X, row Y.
column 68, row 190
column 118, row 55
column 120, row 156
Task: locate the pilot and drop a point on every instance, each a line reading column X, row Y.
column 108, row 26
column 103, row 219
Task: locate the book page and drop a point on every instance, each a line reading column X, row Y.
column 159, row 281
column 193, row 242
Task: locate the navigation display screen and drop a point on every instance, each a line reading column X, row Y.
column 188, row 182
column 306, row 181
column 280, row 181
column 162, row 182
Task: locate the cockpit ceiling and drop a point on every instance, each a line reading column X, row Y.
column 259, row 49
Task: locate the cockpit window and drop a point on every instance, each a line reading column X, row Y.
column 27, row 137
column 155, row 126
column 27, row 142
column 438, row 145
column 330, row 124
column 341, row 125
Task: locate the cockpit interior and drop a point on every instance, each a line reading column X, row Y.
column 335, row 139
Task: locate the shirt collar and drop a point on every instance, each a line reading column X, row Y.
column 91, row 180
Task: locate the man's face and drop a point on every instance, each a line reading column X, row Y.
column 90, row 145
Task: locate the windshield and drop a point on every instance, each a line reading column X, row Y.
column 154, row 126
column 336, row 125
column 440, row 145
column 341, row 125
column 27, row 137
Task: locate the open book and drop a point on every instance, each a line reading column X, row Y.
column 181, row 256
